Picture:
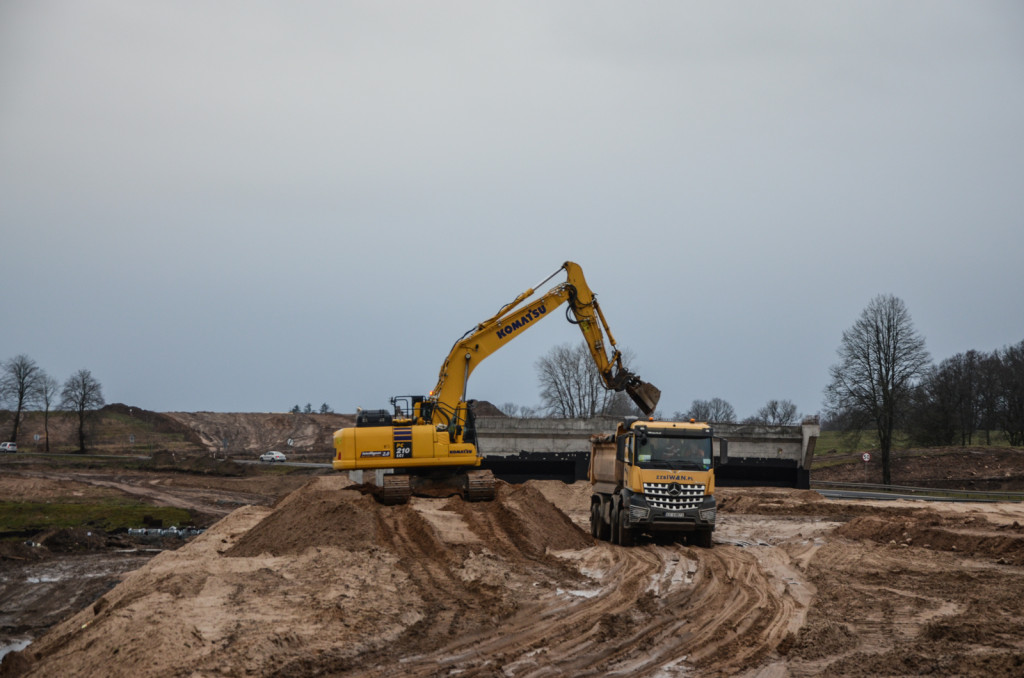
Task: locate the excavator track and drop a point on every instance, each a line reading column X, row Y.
column 396, row 489
column 479, row 485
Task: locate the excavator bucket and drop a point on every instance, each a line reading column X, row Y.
column 645, row 395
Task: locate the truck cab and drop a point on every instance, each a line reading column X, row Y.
column 655, row 478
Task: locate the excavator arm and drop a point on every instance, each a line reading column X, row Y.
column 520, row 314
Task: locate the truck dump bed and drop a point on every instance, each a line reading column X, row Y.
column 603, row 466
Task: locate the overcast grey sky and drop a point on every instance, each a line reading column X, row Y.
column 242, row 206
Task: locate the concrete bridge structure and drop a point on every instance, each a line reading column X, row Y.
column 518, row 449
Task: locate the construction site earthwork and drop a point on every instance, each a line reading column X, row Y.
column 297, row 569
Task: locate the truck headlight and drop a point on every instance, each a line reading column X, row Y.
column 708, row 515
column 638, row 513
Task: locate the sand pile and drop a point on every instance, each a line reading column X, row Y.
column 326, row 578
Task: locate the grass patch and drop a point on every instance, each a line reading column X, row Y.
column 851, row 442
column 38, row 516
column 821, row 463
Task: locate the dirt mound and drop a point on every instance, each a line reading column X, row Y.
column 253, row 433
column 1004, row 543
column 483, row 408
column 325, row 581
column 776, row 501
column 527, row 521
column 73, row 539
column 321, row 513
column 157, row 421
column 992, row 469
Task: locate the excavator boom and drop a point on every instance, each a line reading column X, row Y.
column 429, row 443
column 519, row 315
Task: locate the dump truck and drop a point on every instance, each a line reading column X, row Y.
column 427, row 444
column 655, row 478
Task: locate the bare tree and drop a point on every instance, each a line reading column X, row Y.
column 571, row 386
column 989, row 372
column 931, row 417
column 511, row 409
column 716, row 411
column 699, row 410
column 947, row 403
column 81, row 394
column 1010, row 412
column 619, row 404
column 880, row 358
column 777, row 413
column 19, row 385
column 721, row 412
column 47, row 398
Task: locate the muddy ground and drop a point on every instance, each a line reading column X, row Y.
column 306, row 576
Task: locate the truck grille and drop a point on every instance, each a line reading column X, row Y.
column 673, row 496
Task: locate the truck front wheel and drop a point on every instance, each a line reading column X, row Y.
column 701, row 539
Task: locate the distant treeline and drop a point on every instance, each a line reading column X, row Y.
column 963, row 399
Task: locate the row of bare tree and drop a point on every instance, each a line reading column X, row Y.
column 25, row 386
column 572, row 388
column 719, row 411
column 885, row 380
column 963, row 399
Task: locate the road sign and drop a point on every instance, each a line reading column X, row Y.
column 866, row 457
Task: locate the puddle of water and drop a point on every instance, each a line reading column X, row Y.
column 579, row 593
column 14, row 646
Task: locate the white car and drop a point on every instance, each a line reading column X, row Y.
column 8, row 447
column 272, row 456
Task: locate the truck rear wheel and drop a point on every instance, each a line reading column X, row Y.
column 598, row 527
column 614, row 527
column 626, row 536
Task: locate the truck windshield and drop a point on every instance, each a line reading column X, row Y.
column 674, row 453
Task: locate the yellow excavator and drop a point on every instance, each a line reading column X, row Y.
column 429, row 442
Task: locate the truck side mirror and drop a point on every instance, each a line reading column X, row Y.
column 723, row 451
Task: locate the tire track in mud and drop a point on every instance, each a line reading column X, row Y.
column 599, row 611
